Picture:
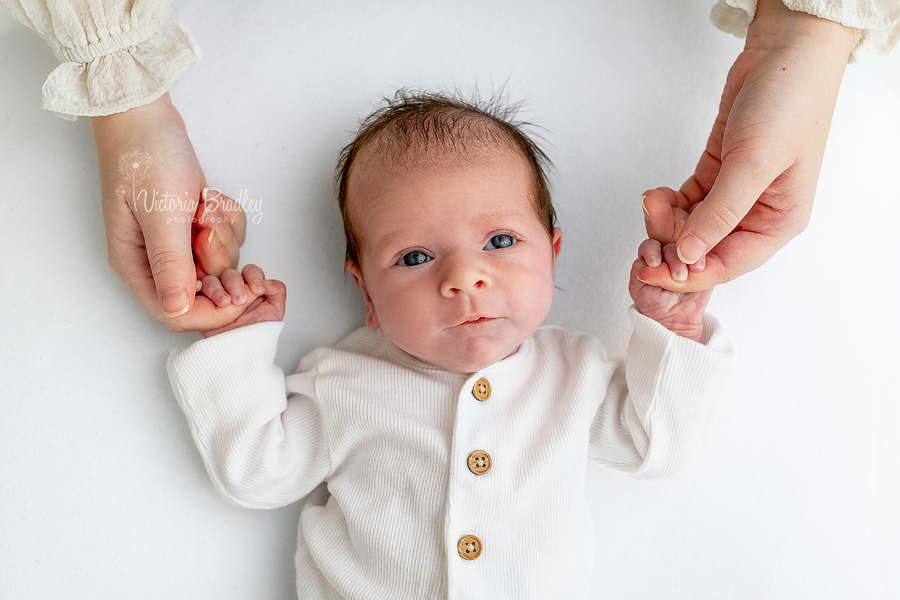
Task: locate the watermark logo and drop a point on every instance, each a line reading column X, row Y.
column 136, row 167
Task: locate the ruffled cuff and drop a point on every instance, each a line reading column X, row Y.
column 877, row 23
column 123, row 77
column 115, row 55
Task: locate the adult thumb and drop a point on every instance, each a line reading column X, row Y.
column 736, row 188
column 172, row 265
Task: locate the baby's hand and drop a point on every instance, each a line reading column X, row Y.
column 230, row 299
column 681, row 313
column 241, row 299
column 665, row 212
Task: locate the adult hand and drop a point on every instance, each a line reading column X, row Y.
column 151, row 186
column 753, row 188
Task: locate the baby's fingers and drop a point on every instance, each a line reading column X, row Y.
column 255, row 278
column 233, row 283
column 212, row 289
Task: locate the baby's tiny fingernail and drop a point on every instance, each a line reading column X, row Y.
column 258, row 288
column 222, row 300
column 213, row 241
column 679, row 275
column 644, row 205
column 199, row 286
column 654, row 261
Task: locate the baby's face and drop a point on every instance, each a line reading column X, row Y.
column 457, row 269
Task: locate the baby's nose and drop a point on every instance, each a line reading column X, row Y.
column 463, row 277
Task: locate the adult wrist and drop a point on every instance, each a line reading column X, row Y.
column 775, row 26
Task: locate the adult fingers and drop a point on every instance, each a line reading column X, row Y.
column 738, row 253
column 229, row 212
column 736, row 189
column 665, row 212
column 168, row 244
column 229, row 223
column 677, row 269
column 211, row 253
column 658, row 218
column 650, row 252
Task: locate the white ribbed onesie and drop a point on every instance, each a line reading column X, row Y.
column 390, row 435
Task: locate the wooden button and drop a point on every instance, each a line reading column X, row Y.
column 469, row 547
column 482, row 389
column 479, row 462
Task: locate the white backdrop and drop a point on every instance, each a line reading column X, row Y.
column 102, row 494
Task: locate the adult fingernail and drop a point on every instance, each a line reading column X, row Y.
column 213, row 241
column 646, row 212
column 691, row 249
column 175, row 303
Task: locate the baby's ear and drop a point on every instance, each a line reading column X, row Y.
column 556, row 242
column 371, row 317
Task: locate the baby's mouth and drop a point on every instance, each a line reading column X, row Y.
column 475, row 321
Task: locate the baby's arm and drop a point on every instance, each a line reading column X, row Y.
column 235, row 298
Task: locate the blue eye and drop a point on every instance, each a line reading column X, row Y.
column 500, row 241
column 411, row 259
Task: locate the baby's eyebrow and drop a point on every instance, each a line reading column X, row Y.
column 390, row 237
column 505, row 214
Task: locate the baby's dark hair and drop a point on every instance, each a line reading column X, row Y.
column 416, row 129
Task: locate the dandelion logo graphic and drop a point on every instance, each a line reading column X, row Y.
column 136, row 165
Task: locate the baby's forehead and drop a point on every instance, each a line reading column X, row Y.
column 380, row 164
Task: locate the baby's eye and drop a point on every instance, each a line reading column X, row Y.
column 500, row 241
column 411, row 259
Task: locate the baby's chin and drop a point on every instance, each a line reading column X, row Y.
column 469, row 362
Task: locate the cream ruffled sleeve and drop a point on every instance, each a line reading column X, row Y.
column 877, row 21
column 115, row 54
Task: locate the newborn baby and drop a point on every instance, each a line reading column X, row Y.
column 453, row 433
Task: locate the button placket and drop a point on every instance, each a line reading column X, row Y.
column 478, row 463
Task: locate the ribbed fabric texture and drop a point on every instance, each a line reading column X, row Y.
column 877, row 21
column 391, row 436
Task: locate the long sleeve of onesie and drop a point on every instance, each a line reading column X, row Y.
column 657, row 404
column 261, row 448
column 877, row 21
column 114, row 55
